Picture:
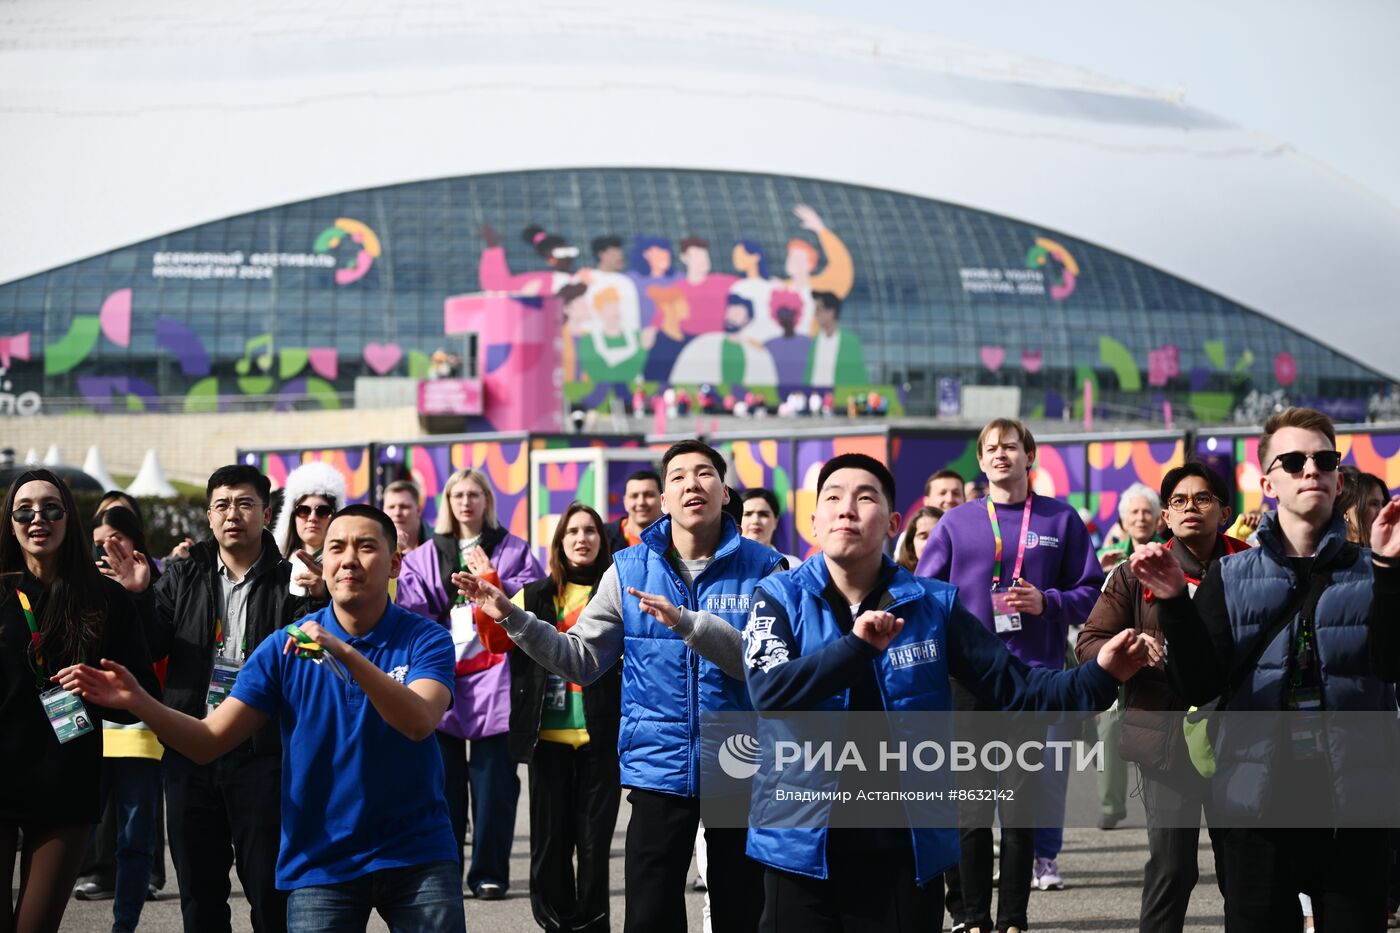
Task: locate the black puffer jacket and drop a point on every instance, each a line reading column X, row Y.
column 602, row 699
column 182, row 627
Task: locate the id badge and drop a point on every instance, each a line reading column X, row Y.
column 463, row 624
column 1306, row 698
column 556, row 693
column 67, row 715
column 1007, row 619
column 221, row 683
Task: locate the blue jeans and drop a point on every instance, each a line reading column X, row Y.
column 417, row 899
column 134, row 784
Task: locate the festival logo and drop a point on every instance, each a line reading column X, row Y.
column 1047, row 252
column 355, row 266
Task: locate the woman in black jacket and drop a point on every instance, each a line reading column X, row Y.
column 55, row 610
column 568, row 736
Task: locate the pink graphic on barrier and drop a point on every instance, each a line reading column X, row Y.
column 1032, row 360
column 519, row 343
column 382, row 357
column 1163, row 364
column 1285, row 369
column 993, row 357
column 14, row 346
column 116, row 317
column 325, row 362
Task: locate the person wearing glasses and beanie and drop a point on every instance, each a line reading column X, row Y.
column 1304, row 623
column 56, row 609
column 1173, row 792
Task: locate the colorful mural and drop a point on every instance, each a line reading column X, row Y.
column 506, row 463
column 353, row 463
column 1060, row 472
column 767, row 464
column 916, row 458
column 1116, row 465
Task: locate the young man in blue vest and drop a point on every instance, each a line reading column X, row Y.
column 1302, row 624
column 364, row 821
column 854, row 631
column 691, row 580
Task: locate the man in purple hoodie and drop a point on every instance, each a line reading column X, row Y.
column 1025, row 566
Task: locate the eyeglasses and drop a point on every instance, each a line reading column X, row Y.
column 49, row 513
column 1326, row 460
column 223, row 507
column 322, row 511
column 1202, row 501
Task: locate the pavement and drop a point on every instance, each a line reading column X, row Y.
column 1102, row 872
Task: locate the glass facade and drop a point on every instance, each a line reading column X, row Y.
column 288, row 306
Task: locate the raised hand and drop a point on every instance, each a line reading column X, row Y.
column 127, row 566
column 877, row 628
column 492, row 599
column 112, row 686
column 310, row 578
column 181, row 550
column 1158, row 570
column 479, row 563
column 1385, row 531
column 808, row 218
column 657, row 606
column 1125, row 654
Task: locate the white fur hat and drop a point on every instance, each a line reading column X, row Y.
column 309, row 479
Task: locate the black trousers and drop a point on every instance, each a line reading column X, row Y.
column 487, row 783
column 1017, row 848
column 660, row 839
column 1175, row 801
column 1343, row 871
column 862, row 893
column 574, row 796
column 224, row 815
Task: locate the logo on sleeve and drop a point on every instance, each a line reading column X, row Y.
column 763, row 649
column 399, row 673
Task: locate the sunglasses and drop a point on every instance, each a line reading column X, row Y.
column 322, row 511
column 1293, row 462
column 49, row 513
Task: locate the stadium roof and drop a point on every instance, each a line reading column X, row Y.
column 126, row 121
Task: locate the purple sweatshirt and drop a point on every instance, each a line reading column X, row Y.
column 1060, row 562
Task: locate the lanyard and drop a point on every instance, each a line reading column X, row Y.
column 219, row 637
column 33, row 635
column 1020, row 551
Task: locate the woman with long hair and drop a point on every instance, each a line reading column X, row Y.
column 312, row 493
column 921, row 525
column 55, row 610
column 1362, row 498
column 469, row 537
column 567, row 734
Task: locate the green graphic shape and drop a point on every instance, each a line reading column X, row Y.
column 82, row 334
column 1120, row 359
column 323, row 392
column 1215, row 352
column 418, row 364
column 290, row 362
column 203, row 396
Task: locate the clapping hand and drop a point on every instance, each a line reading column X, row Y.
column 1125, row 654
column 877, row 628
column 1158, row 570
column 126, row 565
column 491, row 598
column 1385, row 531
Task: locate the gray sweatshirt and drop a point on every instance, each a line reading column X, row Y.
column 594, row 643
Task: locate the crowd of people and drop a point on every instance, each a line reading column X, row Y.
column 329, row 699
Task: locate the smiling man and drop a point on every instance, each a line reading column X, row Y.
column 690, row 579
column 357, row 699
column 852, row 630
column 1303, row 623
column 641, row 497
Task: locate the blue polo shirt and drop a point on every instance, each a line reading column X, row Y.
column 358, row 796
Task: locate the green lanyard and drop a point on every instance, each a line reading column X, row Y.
column 40, row 678
column 219, row 637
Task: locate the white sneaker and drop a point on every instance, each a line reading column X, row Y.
column 1045, row 875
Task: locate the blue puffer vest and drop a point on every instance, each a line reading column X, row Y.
column 913, row 678
column 1259, row 585
column 665, row 685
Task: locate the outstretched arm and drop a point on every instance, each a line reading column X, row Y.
column 200, row 740
column 414, row 709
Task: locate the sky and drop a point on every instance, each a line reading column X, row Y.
column 1322, row 77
